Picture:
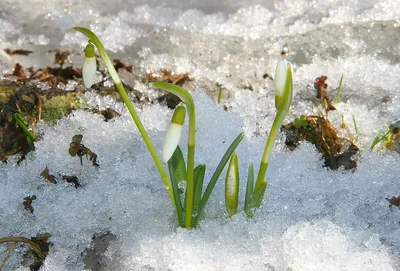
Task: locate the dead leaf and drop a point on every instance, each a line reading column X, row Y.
column 61, row 57
column 28, row 203
column 394, row 201
column 46, row 175
column 118, row 65
column 71, row 179
column 17, row 52
column 168, row 77
column 319, row 131
column 107, row 113
column 321, row 86
column 19, row 72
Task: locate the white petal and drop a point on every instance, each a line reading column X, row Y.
column 171, row 140
column 280, row 77
column 89, row 71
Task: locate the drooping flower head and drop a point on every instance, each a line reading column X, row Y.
column 174, row 132
column 89, row 66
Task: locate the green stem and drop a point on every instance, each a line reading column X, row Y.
column 190, row 164
column 117, row 81
column 279, row 118
column 189, row 198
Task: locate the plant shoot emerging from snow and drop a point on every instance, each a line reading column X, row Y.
column 177, row 168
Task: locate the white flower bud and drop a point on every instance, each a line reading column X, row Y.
column 283, row 91
column 174, row 132
column 232, row 186
column 89, row 66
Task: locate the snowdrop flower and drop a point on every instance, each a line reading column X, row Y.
column 283, row 85
column 89, row 66
column 174, row 132
column 232, row 186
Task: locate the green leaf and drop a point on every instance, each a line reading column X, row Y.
column 355, row 124
column 336, row 100
column 259, row 194
column 300, row 122
column 216, row 175
column 249, row 188
column 257, row 197
column 199, row 173
column 22, row 123
column 219, row 94
column 380, row 138
column 175, row 187
column 377, row 139
column 77, row 139
column 179, row 166
column 21, row 118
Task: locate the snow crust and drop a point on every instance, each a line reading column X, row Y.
column 312, row 218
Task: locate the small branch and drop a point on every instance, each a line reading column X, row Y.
column 8, row 254
column 34, row 245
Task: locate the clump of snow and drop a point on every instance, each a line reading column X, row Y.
column 322, row 245
column 312, row 218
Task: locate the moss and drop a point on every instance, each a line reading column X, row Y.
column 61, row 105
column 7, row 89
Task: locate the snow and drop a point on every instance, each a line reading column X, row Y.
column 312, row 218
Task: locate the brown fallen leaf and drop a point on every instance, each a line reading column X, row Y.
column 19, row 72
column 319, row 131
column 17, row 52
column 46, row 175
column 168, row 77
column 120, row 65
column 321, row 87
column 61, row 57
column 28, row 203
column 71, row 179
column 107, row 113
column 394, row 201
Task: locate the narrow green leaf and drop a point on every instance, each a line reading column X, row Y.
column 21, row 123
column 249, row 188
column 199, row 173
column 355, row 124
column 21, row 118
column 257, row 197
column 259, row 194
column 216, row 175
column 376, row 140
column 175, row 188
column 337, row 96
column 380, row 138
column 179, row 166
column 219, row 95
